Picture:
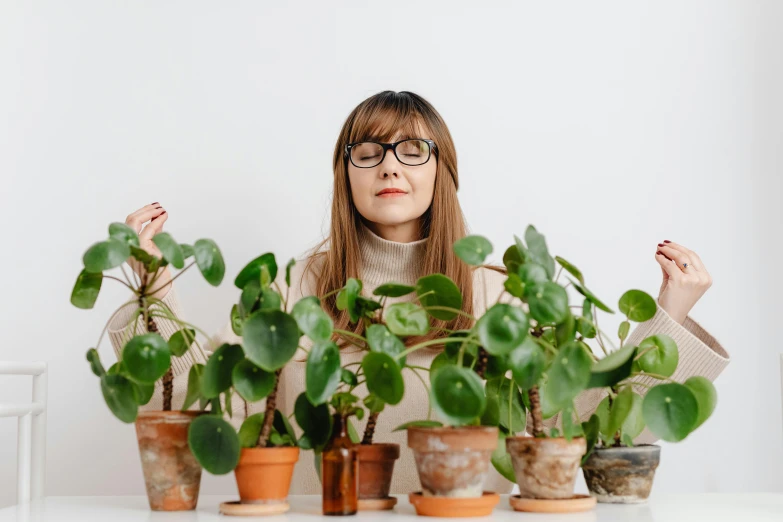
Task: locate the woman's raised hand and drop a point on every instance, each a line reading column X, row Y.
column 685, row 279
column 154, row 216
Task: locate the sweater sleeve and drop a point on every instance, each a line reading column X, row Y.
column 700, row 354
column 123, row 327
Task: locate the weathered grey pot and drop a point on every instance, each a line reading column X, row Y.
column 622, row 475
column 546, row 468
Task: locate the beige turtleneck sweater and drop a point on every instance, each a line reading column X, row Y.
column 384, row 261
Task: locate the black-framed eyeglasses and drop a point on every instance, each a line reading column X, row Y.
column 412, row 152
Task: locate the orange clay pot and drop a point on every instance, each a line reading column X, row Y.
column 376, row 466
column 171, row 472
column 264, row 474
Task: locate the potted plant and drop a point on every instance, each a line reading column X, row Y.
column 172, row 475
column 616, row 470
column 264, row 451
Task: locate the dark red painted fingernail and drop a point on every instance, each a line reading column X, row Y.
column 659, row 253
column 666, row 241
column 661, row 244
column 154, row 203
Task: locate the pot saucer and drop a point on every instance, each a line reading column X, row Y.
column 377, row 504
column 454, row 506
column 574, row 504
column 237, row 508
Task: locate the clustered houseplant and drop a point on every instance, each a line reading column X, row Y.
column 615, row 470
column 171, row 473
column 264, row 451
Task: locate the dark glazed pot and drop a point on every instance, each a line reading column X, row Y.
column 622, row 475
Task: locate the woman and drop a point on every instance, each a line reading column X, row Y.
column 395, row 216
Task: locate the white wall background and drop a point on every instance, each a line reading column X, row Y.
column 609, row 125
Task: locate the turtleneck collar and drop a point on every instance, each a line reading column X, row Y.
column 384, row 261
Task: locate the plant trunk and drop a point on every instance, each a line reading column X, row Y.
column 168, row 377
column 481, row 364
column 269, row 414
column 535, row 407
column 369, row 430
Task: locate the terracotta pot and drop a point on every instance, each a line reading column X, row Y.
column 171, row 472
column 453, row 462
column 376, row 466
column 622, row 475
column 546, row 468
column 264, row 474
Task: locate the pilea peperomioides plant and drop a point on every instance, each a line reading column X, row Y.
column 145, row 357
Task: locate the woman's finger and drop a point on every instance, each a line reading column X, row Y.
column 677, row 256
column 138, row 218
column 154, row 226
column 668, row 267
column 694, row 259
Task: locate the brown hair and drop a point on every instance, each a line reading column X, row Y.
column 380, row 117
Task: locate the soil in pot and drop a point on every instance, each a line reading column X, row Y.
column 622, row 475
column 546, row 468
column 171, row 472
column 264, row 474
column 376, row 467
column 453, row 462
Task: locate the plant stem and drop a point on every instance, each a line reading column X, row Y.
column 639, row 356
column 269, row 413
column 431, row 342
column 168, row 377
column 123, row 282
column 535, row 407
column 450, row 309
column 329, row 294
column 106, row 327
column 481, row 363
column 153, row 292
column 369, row 430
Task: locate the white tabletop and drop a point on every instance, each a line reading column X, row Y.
column 710, row 507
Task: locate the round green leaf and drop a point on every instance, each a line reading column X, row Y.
column 181, row 340
column 591, row 297
column 514, row 285
column 187, row 250
column 384, row 378
column 119, row 396
column 214, row 443
column 502, row 328
column 571, row 269
column 548, row 302
column 613, row 368
column 209, row 261
column 271, row 338
column 124, row 233
column 146, row 357
column 252, row 271
column 251, row 382
column 406, row 319
column 585, row 327
column 634, row 422
column 706, row 397
column 250, row 430
column 106, row 255
column 670, row 411
column 473, row 249
column 312, row 319
column 662, row 355
column 512, row 259
column 623, row 329
column 394, row 290
column 511, row 409
column 236, row 321
column 537, row 250
column 381, row 340
column 194, row 385
column 346, row 299
column 170, row 249
column 527, row 362
column 532, row 273
column 218, row 370
column 567, row 377
column 315, row 421
column 322, row 372
column 457, row 395
column 438, row 290
column 95, row 362
column 142, row 393
column 637, row 305
column 620, row 409
column 85, row 291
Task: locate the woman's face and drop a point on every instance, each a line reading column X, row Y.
column 417, row 184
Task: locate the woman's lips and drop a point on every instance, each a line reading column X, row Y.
column 392, row 194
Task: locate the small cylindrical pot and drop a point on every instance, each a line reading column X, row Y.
column 546, row 468
column 376, row 467
column 171, row 472
column 622, row 475
column 264, row 474
column 453, row 462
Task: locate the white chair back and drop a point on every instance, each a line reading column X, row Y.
column 31, row 441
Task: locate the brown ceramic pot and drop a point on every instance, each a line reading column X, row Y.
column 546, row 468
column 171, row 472
column 376, row 467
column 622, row 475
column 453, row 462
column 264, row 474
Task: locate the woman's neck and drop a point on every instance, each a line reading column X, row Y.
column 384, row 260
column 401, row 233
